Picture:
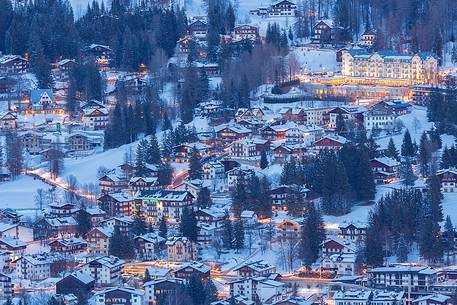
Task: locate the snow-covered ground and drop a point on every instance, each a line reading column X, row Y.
column 314, row 60
column 20, row 193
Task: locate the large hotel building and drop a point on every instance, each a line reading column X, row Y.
column 419, row 68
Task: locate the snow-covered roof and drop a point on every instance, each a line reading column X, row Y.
column 6, row 226
column 258, row 266
column 172, row 240
column 439, row 298
column 73, row 241
column 352, row 295
column 61, row 221
column 7, row 58
column 161, row 280
column 82, row 277
column 13, row 242
column 404, row 268
column 109, row 261
column 129, row 290
column 163, row 195
column 195, row 265
column 387, row 161
column 151, row 237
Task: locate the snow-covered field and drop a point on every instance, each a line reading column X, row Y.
column 20, row 193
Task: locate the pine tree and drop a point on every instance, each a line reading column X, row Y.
column 166, row 122
column 165, row 174
column 436, row 209
column 227, row 232
column 196, row 290
column 147, row 276
column 195, row 166
column 188, row 226
column 238, row 232
column 163, row 228
column 313, row 234
column 392, row 151
column 239, row 196
column 210, row 292
column 139, row 226
column 340, row 124
column 407, row 148
column 14, row 157
column 140, row 167
column 425, row 154
column 407, row 174
column 120, row 246
column 152, row 155
column 263, row 160
column 402, row 249
column 204, row 198
column 84, row 222
column 295, row 201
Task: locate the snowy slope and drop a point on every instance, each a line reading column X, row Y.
column 19, row 194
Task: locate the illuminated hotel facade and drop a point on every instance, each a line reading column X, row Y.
column 419, row 68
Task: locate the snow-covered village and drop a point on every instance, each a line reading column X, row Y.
column 228, row 152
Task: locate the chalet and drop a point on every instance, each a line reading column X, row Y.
column 354, row 231
column 192, row 186
column 353, row 114
column 304, row 135
column 6, row 286
column 34, row 267
column 77, row 281
column 275, row 132
column 434, row 299
column 290, row 228
column 246, row 32
column 95, row 118
column 206, row 233
column 68, row 245
column 280, row 194
column 101, row 53
column 62, row 68
column 190, row 270
column 368, row 39
column 95, row 215
column 337, row 245
column 249, row 114
column 253, row 269
column 9, row 216
column 13, row 64
column 330, row 143
column 14, row 246
column 57, row 227
column 246, row 148
column 198, row 29
column 5, row 174
column 339, row 264
column 42, row 99
column 158, row 272
column 123, row 223
column 62, row 209
column 81, row 142
column 119, row 296
column 448, row 180
column 33, row 142
column 8, row 120
column 282, row 8
column 353, row 297
column 210, row 216
column 183, row 152
column 155, row 289
column 98, row 240
column 317, row 116
column 415, row 279
column 168, row 204
column 295, row 301
column 213, row 170
column 282, row 153
column 120, row 203
column 111, row 182
column 185, row 44
column 181, row 249
column 323, row 32
column 106, row 270
column 258, row 289
column 228, row 134
column 148, row 245
column 234, row 174
column 385, row 170
column 16, row 230
column 143, row 184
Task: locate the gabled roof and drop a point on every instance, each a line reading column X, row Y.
column 7, row 58
column 38, row 93
column 80, row 276
column 387, row 161
column 130, row 290
column 108, row 261
column 163, row 195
